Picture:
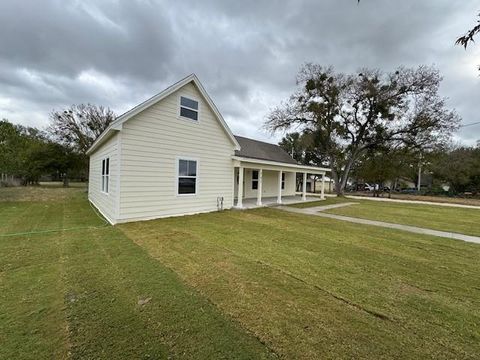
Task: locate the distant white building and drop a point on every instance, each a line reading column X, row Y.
column 315, row 183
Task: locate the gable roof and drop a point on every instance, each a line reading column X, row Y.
column 255, row 149
column 117, row 124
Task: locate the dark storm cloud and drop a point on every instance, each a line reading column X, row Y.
column 117, row 53
column 66, row 37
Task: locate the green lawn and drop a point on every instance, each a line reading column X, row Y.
column 236, row 284
column 316, row 288
column 452, row 219
column 76, row 294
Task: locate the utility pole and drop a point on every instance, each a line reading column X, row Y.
column 419, row 184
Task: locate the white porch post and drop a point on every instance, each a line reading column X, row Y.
column 240, row 187
column 304, row 187
column 322, row 193
column 279, row 194
column 259, row 187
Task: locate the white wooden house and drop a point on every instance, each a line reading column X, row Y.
column 174, row 155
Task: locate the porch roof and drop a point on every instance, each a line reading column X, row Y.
column 254, row 149
column 275, row 165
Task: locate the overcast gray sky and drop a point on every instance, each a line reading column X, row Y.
column 54, row 53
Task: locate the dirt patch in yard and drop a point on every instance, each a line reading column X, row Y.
column 406, row 288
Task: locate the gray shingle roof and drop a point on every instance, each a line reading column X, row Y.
column 261, row 150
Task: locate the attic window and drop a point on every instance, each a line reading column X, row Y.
column 188, row 108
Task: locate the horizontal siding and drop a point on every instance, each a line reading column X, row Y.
column 151, row 143
column 152, row 131
column 152, row 137
column 139, row 165
column 106, row 203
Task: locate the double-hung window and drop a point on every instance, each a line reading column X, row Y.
column 187, row 177
column 283, row 181
column 105, row 174
column 188, row 108
column 254, row 179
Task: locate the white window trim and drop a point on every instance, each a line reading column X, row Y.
column 177, row 175
column 186, row 107
column 106, row 176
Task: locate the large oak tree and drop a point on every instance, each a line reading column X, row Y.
column 346, row 115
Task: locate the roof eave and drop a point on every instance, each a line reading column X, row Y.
column 107, row 134
column 117, row 124
column 216, row 111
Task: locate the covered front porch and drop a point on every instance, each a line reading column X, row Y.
column 266, row 183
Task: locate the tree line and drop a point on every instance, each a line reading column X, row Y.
column 453, row 169
column 28, row 153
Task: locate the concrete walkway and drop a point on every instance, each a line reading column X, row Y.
column 317, row 211
column 413, row 202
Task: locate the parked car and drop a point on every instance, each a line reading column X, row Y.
column 356, row 187
column 409, row 191
column 369, row 187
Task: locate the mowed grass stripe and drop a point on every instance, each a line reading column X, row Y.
column 387, row 271
column 32, row 316
column 304, row 251
column 75, row 294
column 185, row 324
column 277, row 308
